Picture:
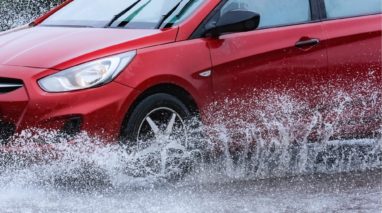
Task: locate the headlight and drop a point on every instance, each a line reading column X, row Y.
column 87, row 75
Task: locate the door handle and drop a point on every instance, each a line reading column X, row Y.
column 307, row 43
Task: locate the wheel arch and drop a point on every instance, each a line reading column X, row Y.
column 168, row 88
column 171, row 89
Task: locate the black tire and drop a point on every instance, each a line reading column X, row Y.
column 131, row 125
column 177, row 166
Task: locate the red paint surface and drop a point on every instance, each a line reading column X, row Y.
column 261, row 60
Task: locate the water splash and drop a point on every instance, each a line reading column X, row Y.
column 280, row 142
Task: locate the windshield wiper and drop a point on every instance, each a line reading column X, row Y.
column 133, row 15
column 119, row 15
column 167, row 15
column 186, row 6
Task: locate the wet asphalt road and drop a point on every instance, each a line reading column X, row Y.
column 348, row 192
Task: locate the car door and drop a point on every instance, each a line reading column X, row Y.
column 353, row 37
column 282, row 60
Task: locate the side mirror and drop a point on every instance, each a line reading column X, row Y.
column 233, row 22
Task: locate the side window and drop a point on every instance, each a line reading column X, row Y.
column 274, row 12
column 349, row 8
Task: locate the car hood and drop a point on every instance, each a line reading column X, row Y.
column 61, row 47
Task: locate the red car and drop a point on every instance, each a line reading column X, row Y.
column 136, row 69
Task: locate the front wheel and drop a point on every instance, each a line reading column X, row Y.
column 156, row 134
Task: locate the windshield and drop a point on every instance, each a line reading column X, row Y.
column 132, row 14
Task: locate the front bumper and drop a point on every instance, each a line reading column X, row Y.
column 98, row 111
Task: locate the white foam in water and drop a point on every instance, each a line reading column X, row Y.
column 47, row 172
column 86, row 175
column 278, row 144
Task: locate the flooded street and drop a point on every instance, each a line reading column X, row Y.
column 46, row 173
column 99, row 181
column 351, row 192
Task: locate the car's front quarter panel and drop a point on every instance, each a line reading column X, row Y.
column 177, row 63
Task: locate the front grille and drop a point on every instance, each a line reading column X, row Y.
column 9, row 85
column 6, row 131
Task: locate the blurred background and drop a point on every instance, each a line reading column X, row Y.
column 18, row 12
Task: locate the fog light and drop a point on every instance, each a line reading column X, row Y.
column 72, row 126
column 6, row 131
